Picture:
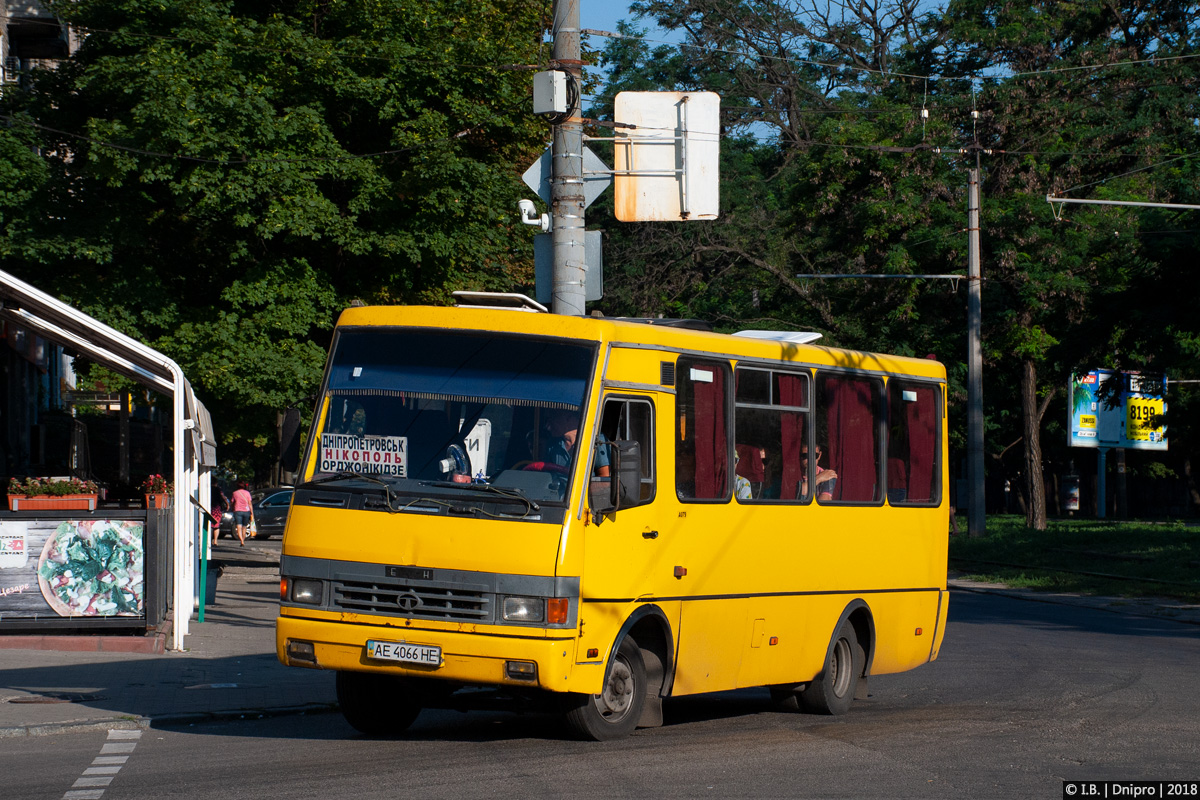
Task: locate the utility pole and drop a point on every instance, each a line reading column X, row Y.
column 975, row 492
column 566, row 185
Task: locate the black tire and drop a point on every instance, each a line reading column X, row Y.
column 377, row 705
column 615, row 712
column 832, row 691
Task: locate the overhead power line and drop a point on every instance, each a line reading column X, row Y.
column 1153, row 61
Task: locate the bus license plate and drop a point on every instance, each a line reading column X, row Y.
column 423, row 654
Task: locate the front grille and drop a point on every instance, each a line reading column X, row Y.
column 413, row 600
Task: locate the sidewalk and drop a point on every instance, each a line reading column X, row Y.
column 229, row 670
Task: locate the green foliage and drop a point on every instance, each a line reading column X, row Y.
column 49, row 487
column 219, row 178
column 849, row 178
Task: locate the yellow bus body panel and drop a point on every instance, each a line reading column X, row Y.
column 422, row 540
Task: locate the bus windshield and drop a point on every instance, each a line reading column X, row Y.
column 454, row 407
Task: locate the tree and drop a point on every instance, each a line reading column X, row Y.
column 1052, row 95
column 220, row 177
column 1078, row 106
column 825, row 169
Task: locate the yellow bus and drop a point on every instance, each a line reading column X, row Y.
column 505, row 505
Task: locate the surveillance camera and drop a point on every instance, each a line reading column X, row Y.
column 530, row 216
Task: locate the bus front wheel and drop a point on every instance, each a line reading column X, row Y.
column 377, row 705
column 832, row 692
column 615, row 712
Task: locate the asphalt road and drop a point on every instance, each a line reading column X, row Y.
column 1024, row 696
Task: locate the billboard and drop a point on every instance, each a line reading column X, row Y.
column 1117, row 409
column 53, row 568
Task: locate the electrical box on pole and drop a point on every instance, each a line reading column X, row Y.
column 550, row 92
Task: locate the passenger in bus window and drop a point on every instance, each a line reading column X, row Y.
column 826, row 478
column 750, row 466
column 741, row 484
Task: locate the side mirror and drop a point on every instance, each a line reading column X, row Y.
column 289, row 441
column 624, row 488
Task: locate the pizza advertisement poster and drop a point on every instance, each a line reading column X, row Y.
column 72, row 568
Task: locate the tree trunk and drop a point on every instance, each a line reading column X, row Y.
column 1035, row 484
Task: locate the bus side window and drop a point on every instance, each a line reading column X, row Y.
column 770, row 425
column 627, row 419
column 702, row 468
column 913, row 453
column 849, row 411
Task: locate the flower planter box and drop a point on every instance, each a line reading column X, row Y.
column 66, row 502
column 161, row 500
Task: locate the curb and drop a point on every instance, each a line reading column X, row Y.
column 125, row 723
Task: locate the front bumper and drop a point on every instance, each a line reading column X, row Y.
column 469, row 658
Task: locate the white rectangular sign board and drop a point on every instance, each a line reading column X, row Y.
column 382, row 455
column 667, row 153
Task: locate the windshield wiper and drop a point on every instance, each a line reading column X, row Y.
column 509, row 494
column 347, row 475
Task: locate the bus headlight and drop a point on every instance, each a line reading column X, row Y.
column 524, row 609
column 306, row 591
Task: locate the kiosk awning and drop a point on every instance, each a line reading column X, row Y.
column 194, row 445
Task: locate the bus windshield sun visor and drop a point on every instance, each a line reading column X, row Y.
column 433, row 364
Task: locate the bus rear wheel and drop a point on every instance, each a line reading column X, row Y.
column 615, row 712
column 832, row 692
column 374, row 704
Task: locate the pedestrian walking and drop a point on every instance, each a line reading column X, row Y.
column 243, row 511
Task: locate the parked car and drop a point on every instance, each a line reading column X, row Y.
column 271, row 510
column 227, row 528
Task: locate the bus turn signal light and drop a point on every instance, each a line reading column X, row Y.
column 774, row 640
column 556, row 610
column 919, row 632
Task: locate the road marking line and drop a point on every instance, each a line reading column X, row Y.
column 82, row 783
column 124, row 734
column 104, row 767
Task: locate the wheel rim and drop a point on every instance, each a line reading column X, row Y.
column 840, row 668
column 616, row 700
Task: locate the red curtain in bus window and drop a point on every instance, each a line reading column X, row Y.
column 712, row 447
column 791, row 423
column 749, row 462
column 921, row 418
column 851, row 438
